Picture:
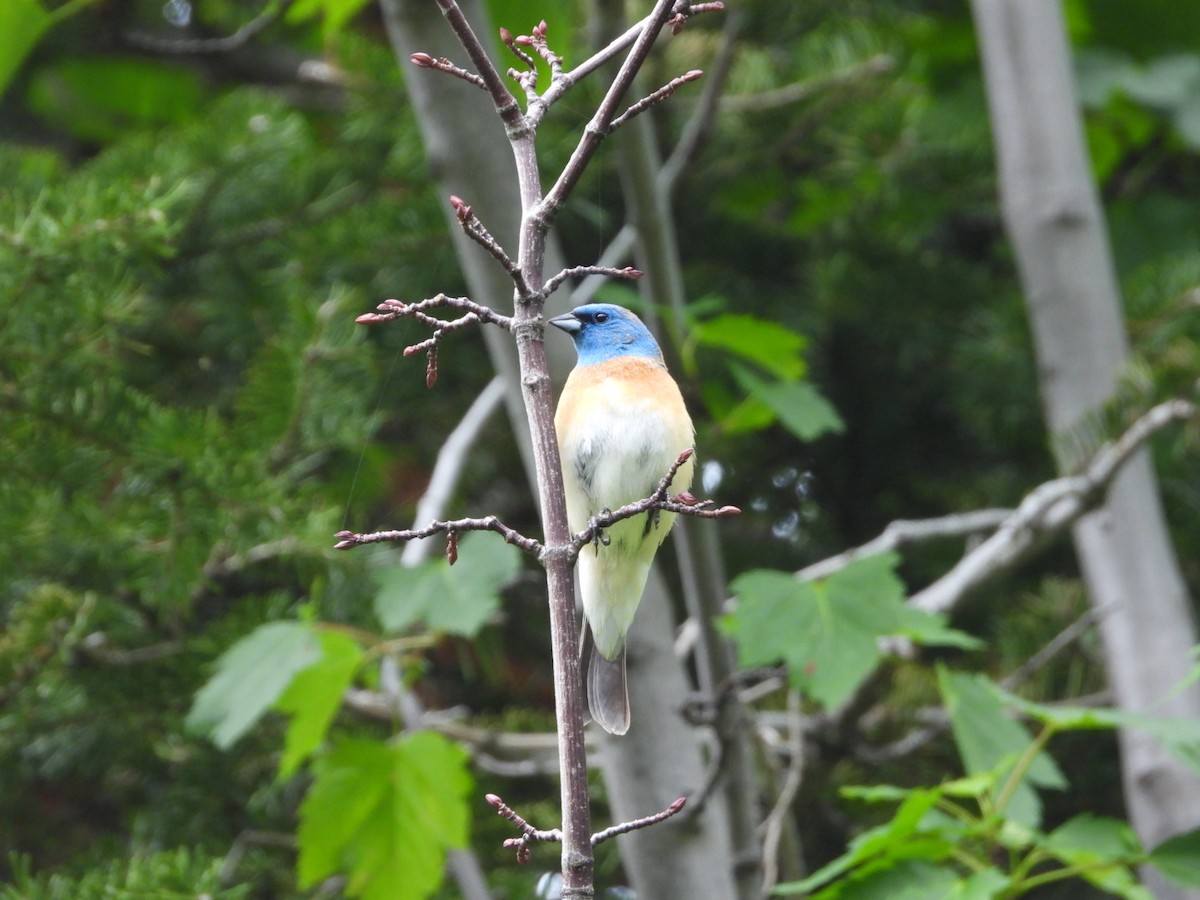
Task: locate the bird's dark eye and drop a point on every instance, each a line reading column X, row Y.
column 601, row 318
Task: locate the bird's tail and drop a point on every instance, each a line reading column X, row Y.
column 605, row 684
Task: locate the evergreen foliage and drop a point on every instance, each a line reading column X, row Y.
column 188, row 413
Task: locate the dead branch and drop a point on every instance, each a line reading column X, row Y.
column 1048, row 510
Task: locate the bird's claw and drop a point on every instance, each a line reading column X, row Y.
column 598, row 534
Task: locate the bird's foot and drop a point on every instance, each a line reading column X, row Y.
column 599, row 536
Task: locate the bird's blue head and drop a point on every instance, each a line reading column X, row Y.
column 604, row 331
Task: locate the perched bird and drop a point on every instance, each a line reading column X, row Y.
column 621, row 423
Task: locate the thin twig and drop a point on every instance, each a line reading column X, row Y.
column 397, row 309
column 271, row 13
column 699, row 124
column 477, row 231
column 1054, row 646
column 441, row 64
column 349, row 539
column 903, row 532
column 682, row 10
column 502, row 98
column 625, row 827
column 1048, row 510
column 772, row 826
column 683, row 504
column 600, row 123
column 529, row 834
column 796, row 92
column 655, row 97
column 552, row 284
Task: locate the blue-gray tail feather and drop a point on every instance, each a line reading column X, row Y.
column 605, row 684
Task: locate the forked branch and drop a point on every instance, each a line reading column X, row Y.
column 531, row 835
column 661, row 500
column 348, row 539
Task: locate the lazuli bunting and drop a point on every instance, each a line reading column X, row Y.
column 621, row 423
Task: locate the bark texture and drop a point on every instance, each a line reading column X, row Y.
column 1056, row 226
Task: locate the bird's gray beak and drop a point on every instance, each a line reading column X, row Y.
column 567, row 323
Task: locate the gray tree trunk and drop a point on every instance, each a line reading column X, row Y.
column 1056, row 226
column 661, row 759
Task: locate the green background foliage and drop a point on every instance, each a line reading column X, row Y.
column 188, row 413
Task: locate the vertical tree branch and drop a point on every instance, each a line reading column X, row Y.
column 1054, row 220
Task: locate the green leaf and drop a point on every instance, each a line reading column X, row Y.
column 314, row 697
column 826, row 632
column 22, row 24
column 766, row 344
column 989, row 740
column 1103, row 850
column 1180, row 736
column 456, row 599
column 983, row 885
column 797, row 404
column 335, row 13
column 97, row 98
column 744, row 417
column 907, row 879
column 1179, row 858
column 931, row 629
column 385, row 814
column 251, row 675
column 901, row 838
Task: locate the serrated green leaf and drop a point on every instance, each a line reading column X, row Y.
column 385, row 815
column 826, row 632
column 250, row 676
column 766, row 344
column 797, row 405
column 989, row 740
column 1179, row 858
column 456, row 599
column 1180, row 736
column 314, row 697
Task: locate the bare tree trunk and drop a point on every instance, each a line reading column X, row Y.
column 659, row 760
column 1057, row 229
column 719, row 858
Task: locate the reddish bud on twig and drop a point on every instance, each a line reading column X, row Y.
column 424, row 60
column 431, row 372
column 461, row 209
column 506, row 37
column 452, row 547
column 540, row 30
